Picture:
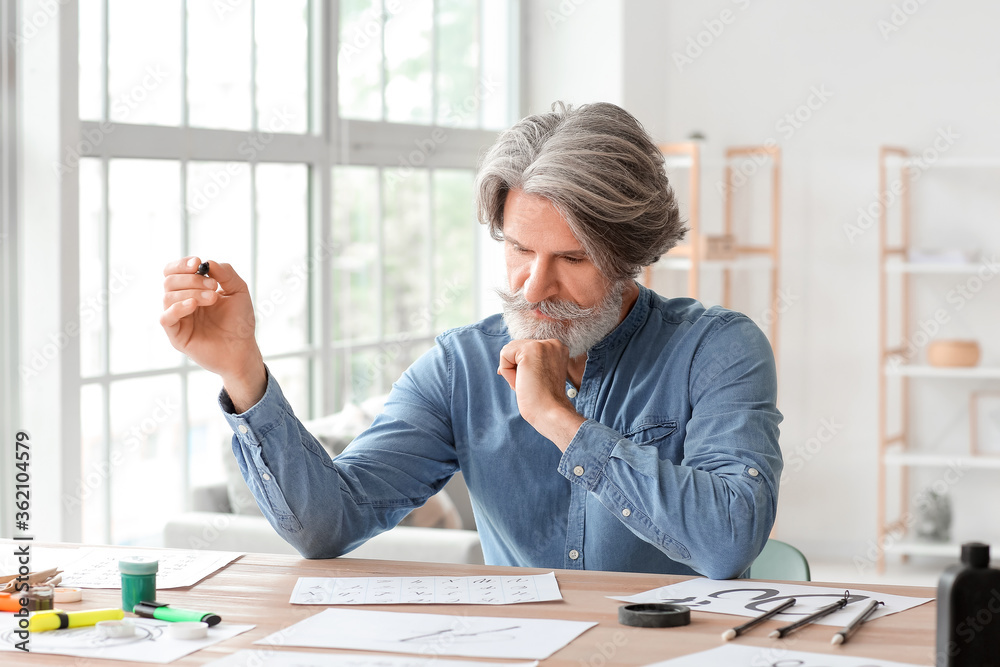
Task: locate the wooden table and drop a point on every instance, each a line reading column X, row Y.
column 255, row 589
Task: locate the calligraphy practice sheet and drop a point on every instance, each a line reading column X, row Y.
column 732, row 655
column 430, row 634
column 149, row 644
column 753, row 598
column 426, row 590
column 98, row 567
column 258, row 658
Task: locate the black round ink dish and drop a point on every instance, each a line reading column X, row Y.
column 654, row 615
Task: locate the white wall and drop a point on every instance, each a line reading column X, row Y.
column 870, row 84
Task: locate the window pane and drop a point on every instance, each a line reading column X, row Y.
column 218, row 64
column 92, row 490
column 359, row 61
column 293, row 377
column 283, row 265
column 144, row 61
column 365, row 376
column 281, row 31
column 405, row 228
column 208, row 433
column 458, row 62
column 408, row 62
column 218, row 207
column 455, row 229
column 93, row 301
column 91, row 60
column 147, row 447
column 144, row 234
column 356, row 267
column 499, row 63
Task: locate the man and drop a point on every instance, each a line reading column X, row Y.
column 598, row 425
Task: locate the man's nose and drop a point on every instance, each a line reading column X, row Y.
column 542, row 283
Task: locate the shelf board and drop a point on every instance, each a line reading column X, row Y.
column 915, row 547
column 897, row 457
column 974, row 373
column 747, row 262
column 943, row 162
column 933, row 267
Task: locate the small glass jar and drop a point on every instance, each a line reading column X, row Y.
column 138, row 581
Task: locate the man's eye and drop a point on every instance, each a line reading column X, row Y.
column 574, row 260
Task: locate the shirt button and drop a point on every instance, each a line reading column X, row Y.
column 243, row 428
column 626, row 512
column 574, row 554
column 571, row 392
column 266, row 477
column 752, row 472
column 578, row 471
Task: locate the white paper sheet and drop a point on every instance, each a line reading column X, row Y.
column 97, row 567
column 271, row 658
column 753, row 598
column 732, row 655
column 150, row 643
column 431, row 634
column 426, row 590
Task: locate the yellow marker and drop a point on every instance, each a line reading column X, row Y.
column 56, row 620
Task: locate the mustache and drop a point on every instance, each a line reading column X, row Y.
column 558, row 309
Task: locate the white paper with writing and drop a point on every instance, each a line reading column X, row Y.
column 96, row 567
column 426, row 590
column 430, row 634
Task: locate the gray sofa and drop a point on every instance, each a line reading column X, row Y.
column 225, row 516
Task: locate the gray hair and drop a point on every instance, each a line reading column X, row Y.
column 602, row 172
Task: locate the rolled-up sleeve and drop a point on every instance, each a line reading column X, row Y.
column 714, row 509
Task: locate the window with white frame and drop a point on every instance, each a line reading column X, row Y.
column 327, row 152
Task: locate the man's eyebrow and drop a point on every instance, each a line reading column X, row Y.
column 578, row 252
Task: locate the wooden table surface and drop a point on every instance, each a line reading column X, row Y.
column 255, row 589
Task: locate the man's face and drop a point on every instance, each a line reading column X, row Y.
column 555, row 290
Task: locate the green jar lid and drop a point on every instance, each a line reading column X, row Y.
column 138, row 565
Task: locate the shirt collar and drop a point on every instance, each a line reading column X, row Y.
column 623, row 332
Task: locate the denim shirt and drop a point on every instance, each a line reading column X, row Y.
column 675, row 470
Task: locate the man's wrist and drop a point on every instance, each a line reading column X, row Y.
column 246, row 388
column 561, row 424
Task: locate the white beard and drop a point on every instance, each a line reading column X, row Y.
column 577, row 328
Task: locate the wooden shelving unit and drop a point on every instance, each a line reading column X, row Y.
column 690, row 257
column 897, row 274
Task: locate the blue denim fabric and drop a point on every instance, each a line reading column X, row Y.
column 675, row 470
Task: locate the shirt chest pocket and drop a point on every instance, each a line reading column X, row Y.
column 656, row 431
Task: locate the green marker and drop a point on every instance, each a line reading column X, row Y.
column 165, row 612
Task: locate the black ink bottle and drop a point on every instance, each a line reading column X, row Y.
column 968, row 611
